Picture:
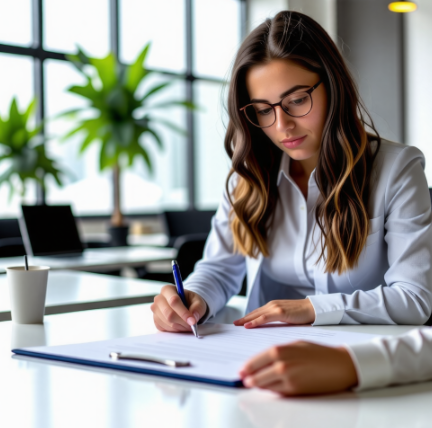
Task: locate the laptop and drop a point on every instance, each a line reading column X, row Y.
column 50, row 230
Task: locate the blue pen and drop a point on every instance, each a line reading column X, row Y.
column 180, row 290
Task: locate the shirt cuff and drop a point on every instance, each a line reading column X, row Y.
column 371, row 363
column 329, row 309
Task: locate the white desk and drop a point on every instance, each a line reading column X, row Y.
column 98, row 259
column 151, row 239
column 71, row 291
column 41, row 394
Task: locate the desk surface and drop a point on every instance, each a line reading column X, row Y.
column 98, row 259
column 37, row 393
column 71, row 291
column 152, row 239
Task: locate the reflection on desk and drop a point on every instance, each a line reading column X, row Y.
column 98, row 259
column 402, row 406
column 71, row 291
column 107, row 398
column 151, row 239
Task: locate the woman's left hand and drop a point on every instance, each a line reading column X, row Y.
column 301, row 368
column 289, row 311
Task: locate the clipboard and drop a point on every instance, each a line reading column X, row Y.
column 154, row 372
column 215, row 359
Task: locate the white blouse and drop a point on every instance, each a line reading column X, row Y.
column 393, row 360
column 392, row 283
column 288, row 273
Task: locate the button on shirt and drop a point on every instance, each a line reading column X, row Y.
column 288, row 273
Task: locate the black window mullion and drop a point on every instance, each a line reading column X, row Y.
column 38, row 60
column 190, row 149
column 243, row 18
column 38, row 77
column 114, row 26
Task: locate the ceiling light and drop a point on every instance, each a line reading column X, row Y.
column 402, row 6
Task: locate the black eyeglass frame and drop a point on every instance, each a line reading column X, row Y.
column 308, row 91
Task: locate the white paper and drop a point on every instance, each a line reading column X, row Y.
column 217, row 355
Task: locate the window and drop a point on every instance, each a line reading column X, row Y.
column 71, row 23
column 186, row 46
column 162, row 22
column 216, row 36
column 15, row 22
column 16, row 80
column 212, row 164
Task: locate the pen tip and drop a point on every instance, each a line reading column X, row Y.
column 194, row 330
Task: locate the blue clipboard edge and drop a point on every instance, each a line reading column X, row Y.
column 235, row 384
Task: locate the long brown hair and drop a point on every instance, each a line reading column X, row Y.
column 345, row 162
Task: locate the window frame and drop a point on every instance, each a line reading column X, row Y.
column 39, row 55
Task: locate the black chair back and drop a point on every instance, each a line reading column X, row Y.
column 190, row 249
column 11, row 243
column 179, row 223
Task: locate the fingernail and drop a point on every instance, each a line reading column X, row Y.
column 247, row 381
column 197, row 316
column 248, row 324
column 191, row 321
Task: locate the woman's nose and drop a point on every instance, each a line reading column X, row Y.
column 283, row 121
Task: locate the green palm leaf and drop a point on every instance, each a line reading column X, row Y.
column 154, row 90
column 136, row 72
column 106, row 68
column 24, row 148
column 115, row 103
column 119, row 126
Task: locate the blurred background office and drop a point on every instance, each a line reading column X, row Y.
column 194, row 42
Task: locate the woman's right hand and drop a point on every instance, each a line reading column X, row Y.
column 169, row 313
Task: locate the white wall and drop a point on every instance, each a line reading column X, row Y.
column 323, row 11
column 418, row 78
column 259, row 10
column 370, row 40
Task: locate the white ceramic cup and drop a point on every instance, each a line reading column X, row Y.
column 27, row 291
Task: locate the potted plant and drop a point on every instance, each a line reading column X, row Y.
column 121, row 117
column 22, row 146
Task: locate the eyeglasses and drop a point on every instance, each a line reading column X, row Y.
column 297, row 104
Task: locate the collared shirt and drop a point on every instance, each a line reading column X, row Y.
column 393, row 359
column 288, row 273
column 392, row 281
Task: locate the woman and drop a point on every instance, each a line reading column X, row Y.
column 331, row 224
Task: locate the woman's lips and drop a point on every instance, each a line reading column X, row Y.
column 292, row 143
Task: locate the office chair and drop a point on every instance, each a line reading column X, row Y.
column 11, row 243
column 195, row 226
column 189, row 248
column 179, row 223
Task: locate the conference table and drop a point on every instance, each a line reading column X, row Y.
column 98, row 259
column 73, row 291
column 46, row 394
